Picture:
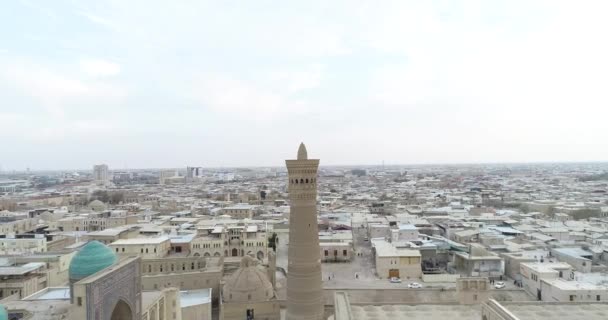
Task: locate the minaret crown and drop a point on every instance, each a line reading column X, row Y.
column 302, row 153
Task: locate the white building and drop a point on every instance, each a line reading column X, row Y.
column 9, row 246
column 406, row 232
column 157, row 247
column 101, row 174
column 553, row 282
column 12, row 245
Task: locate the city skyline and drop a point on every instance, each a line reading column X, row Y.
column 223, row 85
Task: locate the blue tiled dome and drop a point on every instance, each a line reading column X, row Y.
column 92, row 258
column 3, row 313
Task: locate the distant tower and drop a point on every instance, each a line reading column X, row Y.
column 304, row 291
column 101, row 174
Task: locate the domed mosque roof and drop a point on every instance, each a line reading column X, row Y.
column 248, row 283
column 3, row 313
column 92, row 258
column 97, row 203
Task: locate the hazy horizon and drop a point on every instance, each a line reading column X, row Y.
column 321, row 165
column 153, row 84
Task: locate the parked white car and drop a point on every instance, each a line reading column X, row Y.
column 394, row 280
column 499, row 285
column 414, row 285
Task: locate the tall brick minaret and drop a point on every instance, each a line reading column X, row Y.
column 304, row 289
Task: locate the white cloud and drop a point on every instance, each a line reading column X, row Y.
column 57, row 91
column 294, row 81
column 99, row 20
column 224, row 94
column 99, row 67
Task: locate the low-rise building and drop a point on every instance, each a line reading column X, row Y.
column 22, row 280
column 396, row 262
column 241, row 211
column 559, row 282
column 230, row 240
column 478, row 262
column 156, row 247
column 13, row 245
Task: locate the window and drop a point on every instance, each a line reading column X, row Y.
column 326, row 253
column 146, row 250
column 79, row 299
column 344, row 252
column 571, row 297
column 475, row 297
column 149, row 268
column 597, row 298
column 123, row 249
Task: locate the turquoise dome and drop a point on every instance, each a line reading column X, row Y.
column 3, row 313
column 92, row 258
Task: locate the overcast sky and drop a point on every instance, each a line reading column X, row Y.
column 139, row 84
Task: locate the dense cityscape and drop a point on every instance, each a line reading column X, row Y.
column 393, row 241
column 303, row 160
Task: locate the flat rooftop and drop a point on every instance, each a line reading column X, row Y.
column 552, row 311
column 195, row 297
column 135, row 241
column 385, row 249
column 544, row 267
column 419, row 311
column 109, row 232
column 51, row 293
column 21, row 270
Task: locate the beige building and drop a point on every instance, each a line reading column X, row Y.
column 56, row 266
column 110, row 235
column 22, row 280
column 335, row 251
column 96, row 221
column 472, row 290
column 478, row 262
column 147, row 248
column 241, row 211
column 162, row 304
column 249, row 293
column 396, row 262
column 231, row 240
column 18, row 226
column 22, row 245
column 196, row 304
column 187, row 273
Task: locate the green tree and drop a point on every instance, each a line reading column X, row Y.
column 585, row 214
column 272, row 242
